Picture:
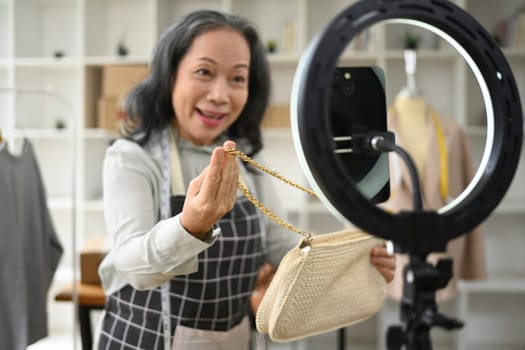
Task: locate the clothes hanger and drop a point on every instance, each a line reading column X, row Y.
column 16, row 143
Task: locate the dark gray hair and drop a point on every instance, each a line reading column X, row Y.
column 149, row 105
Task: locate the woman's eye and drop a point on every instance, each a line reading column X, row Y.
column 239, row 79
column 203, row 72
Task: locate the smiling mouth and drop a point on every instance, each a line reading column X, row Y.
column 211, row 118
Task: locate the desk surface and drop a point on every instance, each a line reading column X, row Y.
column 88, row 294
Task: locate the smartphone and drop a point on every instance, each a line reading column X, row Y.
column 357, row 104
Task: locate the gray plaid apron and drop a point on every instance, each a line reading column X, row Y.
column 216, row 297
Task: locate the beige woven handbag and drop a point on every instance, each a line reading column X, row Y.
column 324, row 283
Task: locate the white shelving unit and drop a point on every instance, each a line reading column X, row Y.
column 64, row 45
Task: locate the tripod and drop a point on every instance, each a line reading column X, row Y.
column 418, row 305
column 421, row 280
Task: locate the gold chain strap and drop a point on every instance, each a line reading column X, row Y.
column 257, row 203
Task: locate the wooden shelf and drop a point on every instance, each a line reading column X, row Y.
column 87, row 294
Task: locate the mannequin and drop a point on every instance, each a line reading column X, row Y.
column 410, row 106
column 412, row 127
column 440, row 151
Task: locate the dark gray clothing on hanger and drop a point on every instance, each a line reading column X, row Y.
column 29, row 250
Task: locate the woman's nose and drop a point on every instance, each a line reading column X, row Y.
column 219, row 91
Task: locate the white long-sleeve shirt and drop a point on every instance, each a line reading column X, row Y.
column 147, row 251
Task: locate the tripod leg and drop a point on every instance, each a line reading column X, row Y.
column 419, row 339
column 341, row 339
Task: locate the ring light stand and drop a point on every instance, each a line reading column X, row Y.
column 315, row 148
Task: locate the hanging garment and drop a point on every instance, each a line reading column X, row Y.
column 438, row 188
column 29, row 250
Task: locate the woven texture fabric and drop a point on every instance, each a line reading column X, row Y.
column 329, row 285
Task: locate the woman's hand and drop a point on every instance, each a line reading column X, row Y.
column 264, row 278
column 212, row 194
column 384, row 262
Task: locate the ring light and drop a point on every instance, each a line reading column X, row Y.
column 314, row 141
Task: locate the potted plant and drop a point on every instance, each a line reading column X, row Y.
column 271, row 45
column 122, row 48
column 411, row 41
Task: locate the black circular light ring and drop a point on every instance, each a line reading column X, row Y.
column 315, row 145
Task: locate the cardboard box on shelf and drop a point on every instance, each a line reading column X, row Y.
column 108, row 116
column 277, row 116
column 118, row 80
column 92, row 91
column 91, row 254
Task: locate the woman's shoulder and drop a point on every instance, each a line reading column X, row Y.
column 130, row 152
column 125, row 146
column 125, row 149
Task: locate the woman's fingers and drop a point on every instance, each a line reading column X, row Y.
column 232, row 161
column 195, row 185
column 384, row 262
column 221, row 178
column 386, row 272
column 229, row 144
column 213, row 193
column 213, row 174
column 227, row 190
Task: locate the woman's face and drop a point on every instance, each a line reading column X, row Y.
column 211, row 85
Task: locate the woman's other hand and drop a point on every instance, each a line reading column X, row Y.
column 384, row 262
column 264, row 278
column 212, row 194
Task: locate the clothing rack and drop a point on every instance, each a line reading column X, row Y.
column 70, row 111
